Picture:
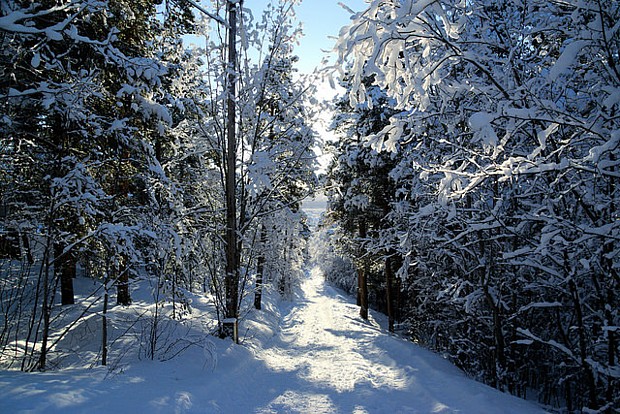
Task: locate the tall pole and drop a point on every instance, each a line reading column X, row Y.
column 232, row 268
column 231, row 282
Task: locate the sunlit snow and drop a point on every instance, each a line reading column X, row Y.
column 311, row 355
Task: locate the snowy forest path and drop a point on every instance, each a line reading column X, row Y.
column 312, row 355
column 342, row 364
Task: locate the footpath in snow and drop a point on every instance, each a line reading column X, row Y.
column 323, row 359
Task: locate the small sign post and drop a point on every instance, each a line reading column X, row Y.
column 230, row 329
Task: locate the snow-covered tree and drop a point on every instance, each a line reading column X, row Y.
column 91, row 73
column 508, row 138
column 272, row 156
column 281, row 171
column 360, row 191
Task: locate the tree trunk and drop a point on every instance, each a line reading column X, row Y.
column 358, row 297
column 613, row 386
column 45, row 313
column 123, row 297
column 64, row 270
column 389, row 279
column 104, row 329
column 362, row 274
column 26, row 247
column 122, row 290
column 499, row 352
column 260, row 268
column 284, row 278
column 581, row 331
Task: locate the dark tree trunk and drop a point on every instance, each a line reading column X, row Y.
column 499, row 351
column 284, row 282
column 613, row 386
column 581, row 331
column 260, row 267
column 123, row 297
column 362, row 274
column 389, row 282
column 122, row 290
column 104, row 329
column 64, row 270
column 26, row 247
column 46, row 313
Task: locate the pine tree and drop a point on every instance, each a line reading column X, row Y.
column 93, row 77
column 361, row 190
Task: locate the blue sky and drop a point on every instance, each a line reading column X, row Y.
column 321, row 19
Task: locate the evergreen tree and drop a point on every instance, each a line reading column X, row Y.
column 361, row 191
column 91, row 73
column 506, row 220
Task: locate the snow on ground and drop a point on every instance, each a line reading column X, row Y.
column 313, row 355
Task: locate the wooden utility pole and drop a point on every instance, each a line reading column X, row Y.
column 229, row 328
column 231, row 239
